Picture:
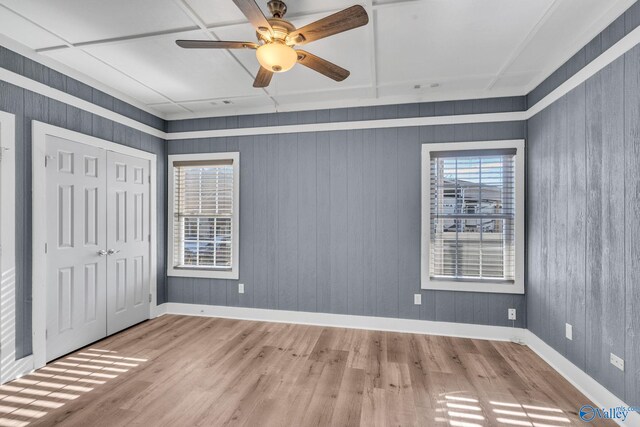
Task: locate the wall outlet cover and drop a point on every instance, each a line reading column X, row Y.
column 568, row 331
column 512, row 314
column 417, row 299
column 617, row 362
column 241, row 288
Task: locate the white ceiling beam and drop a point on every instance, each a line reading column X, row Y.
column 441, row 79
column 390, row 84
column 302, row 92
column 372, row 46
column 524, row 43
column 123, row 39
column 66, row 43
column 72, row 46
column 213, row 28
column 377, row 5
column 193, row 15
column 117, row 70
column 168, row 32
column 51, row 63
column 579, row 40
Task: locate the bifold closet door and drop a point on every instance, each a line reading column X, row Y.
column 98, row 247
column 76, row 238
column 127, row 241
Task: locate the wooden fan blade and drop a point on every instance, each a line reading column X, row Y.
column 210, row 44
column 345, row 20
column 254, row 14
column 322, row 66
column 263, row 78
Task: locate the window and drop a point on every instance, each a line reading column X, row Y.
column 473, row 216
column 203, row 214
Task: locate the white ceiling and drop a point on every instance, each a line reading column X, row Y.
column 411, row 50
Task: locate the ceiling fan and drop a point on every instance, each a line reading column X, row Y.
column 277, row 36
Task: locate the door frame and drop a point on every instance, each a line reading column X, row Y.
column 40, row 131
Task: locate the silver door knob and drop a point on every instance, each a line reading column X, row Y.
column 112, row 251
column 102, row 252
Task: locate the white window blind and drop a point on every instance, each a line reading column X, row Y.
column 203, row 214
column 472, row 222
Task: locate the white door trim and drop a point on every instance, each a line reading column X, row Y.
column 10, row 368
column 40, row 131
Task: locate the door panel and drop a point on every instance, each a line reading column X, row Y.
column 128, row 239
column 76, row 232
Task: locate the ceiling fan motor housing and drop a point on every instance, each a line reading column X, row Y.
column 281, row 28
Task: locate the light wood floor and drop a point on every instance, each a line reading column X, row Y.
column 188, row 371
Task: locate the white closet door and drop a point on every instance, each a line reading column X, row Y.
column 127, row 241
column 76, row 233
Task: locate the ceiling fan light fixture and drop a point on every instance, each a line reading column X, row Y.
column 276, row 57
column 277, row 37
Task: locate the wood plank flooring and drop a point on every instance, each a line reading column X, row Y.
column 193, row 371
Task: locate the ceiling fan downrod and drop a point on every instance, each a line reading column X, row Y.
column 277, row 8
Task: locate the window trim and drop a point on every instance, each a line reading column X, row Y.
column 200, row 272
column 517, row 287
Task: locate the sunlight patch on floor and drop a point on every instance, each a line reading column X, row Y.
column 31, row 397
column 462, row 410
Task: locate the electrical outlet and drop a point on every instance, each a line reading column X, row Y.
column 512, row 314
column 417, row 299
column 241, row 288
column 568, row 331
column 617, row 362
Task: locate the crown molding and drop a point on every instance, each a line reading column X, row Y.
column 613, row 53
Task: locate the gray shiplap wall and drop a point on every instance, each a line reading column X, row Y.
column 424, row 109
column 583, row 226
column 28, row 106
column 330, row 221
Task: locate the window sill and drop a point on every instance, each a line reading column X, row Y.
column 203, row 274
column 466, row 286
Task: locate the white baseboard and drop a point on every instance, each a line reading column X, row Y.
column 462, row 330
column 158, row 310
column 594, row 391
